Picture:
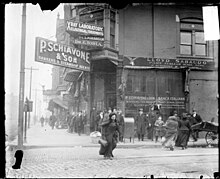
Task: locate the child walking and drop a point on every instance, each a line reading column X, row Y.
column 158, row 128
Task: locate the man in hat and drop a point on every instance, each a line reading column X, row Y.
column 196, row 119
column 141, row 122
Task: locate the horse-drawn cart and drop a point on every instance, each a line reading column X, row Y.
column 211, row 128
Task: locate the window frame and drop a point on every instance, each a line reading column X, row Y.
column 192, row 26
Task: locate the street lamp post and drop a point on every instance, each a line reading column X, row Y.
column 22, row 79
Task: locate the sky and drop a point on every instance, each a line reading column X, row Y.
column 38, row 24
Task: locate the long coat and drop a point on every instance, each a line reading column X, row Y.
column 141, row 123
column 171, row 126
column 109, row 129
column 197, row 118
column 184, row 129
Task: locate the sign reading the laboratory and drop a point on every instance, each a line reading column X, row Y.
column 50, row 52
column 73, row 27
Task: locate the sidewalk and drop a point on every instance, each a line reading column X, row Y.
column 44, row 137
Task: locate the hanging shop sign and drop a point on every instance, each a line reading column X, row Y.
column 87, row 42
column 50, row 52
column 74, row 27
column 200, row 64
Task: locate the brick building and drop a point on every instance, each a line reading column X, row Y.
column 152, row 54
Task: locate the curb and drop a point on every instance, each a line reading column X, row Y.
column 125, row 146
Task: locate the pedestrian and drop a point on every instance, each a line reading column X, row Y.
column 171, row 126
column 159, row 132
column 141, row 123
column 68, row 120
column 79, row 123
column 42, row 121
column 99, row 120
column 84, row 119
column 184, row 130
column 93, row 115
column 196, row 118
column 53, row 120
column 121, row 122
column 152, row 117
column 109, row 128
column 72, row 122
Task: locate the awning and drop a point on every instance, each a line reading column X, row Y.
column 72, row 75
column 60, row 103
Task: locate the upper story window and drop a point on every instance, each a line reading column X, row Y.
column 112, row 29
column 192, row 41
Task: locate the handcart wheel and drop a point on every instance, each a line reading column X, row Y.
column 211, row 138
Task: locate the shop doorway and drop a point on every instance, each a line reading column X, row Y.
column 110, row 91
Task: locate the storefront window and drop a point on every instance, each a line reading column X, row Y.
column 129, row 83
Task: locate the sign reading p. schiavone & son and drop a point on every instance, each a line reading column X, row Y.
column 73, row 27
column 50, row 52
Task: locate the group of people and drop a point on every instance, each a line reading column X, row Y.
column 154, row 127
column 76, row 122
column 178, row 129
column 97, row 118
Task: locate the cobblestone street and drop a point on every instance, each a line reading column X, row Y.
column 139, row 162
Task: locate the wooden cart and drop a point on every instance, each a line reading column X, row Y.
column 211, row 128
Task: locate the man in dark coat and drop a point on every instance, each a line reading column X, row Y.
column 196, row 118
column 79, row 123
column 120, row 119
column 93, row 119
column 152, row 117
column 140, row 123
column 53, row 120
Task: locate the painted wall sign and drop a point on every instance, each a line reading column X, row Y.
column 54, row 53
column 73, row 27
column 200, row 64
column 96, row 38
column 166, row 102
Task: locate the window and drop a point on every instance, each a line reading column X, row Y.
column 112, row 29
column 73, row 13
column 129, row 83
column 192, row 41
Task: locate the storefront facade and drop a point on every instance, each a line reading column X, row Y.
column 152, row 55
column 166, row 60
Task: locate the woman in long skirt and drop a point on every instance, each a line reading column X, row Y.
column 171, row 126
column 183, row 132
column 109, row 128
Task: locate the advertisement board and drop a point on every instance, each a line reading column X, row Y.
column 192, row 63
column 73, row 27
column 50, row 52
column 87, row 42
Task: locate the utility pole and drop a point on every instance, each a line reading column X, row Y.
column 29, row 114
column 22, row 79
